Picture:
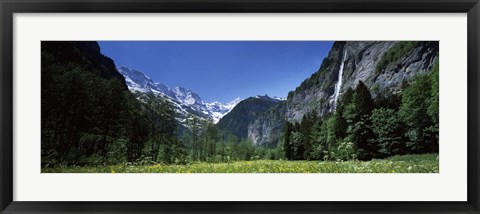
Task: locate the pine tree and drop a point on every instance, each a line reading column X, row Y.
column 305, row 129
column 315, row 138
column 287, row 144
column 357, row 115
column 342, row 125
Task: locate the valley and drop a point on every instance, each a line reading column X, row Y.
column 370, row 107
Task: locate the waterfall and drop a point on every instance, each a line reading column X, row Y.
column 338, row 85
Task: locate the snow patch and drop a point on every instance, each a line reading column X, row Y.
column 179, row 96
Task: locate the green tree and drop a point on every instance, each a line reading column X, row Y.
column 232, row 148
column 342, row 125
column 163, row 127
column 433, row 107
column 357, row 116
column 388, row 130
column 136, row 130
column 246, row 150
column 194, row 127
column 287, row 145
column 315, row 138
column 417, row 110
column 212, row 137
column 296, row 141
column 305, row 129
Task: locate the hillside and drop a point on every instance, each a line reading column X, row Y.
column 382, row 66
column 236, row 122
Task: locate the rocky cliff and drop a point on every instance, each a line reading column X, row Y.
column 236, row 122
column 382, row 66
column 266, row 129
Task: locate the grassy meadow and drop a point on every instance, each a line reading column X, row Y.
column 427, row 163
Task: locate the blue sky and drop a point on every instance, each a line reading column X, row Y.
column 222, row 70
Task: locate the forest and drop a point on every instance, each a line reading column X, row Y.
column 91, row 122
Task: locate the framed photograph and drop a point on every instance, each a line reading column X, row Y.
column 239, row 106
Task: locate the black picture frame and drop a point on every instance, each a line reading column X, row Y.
column 9, row 7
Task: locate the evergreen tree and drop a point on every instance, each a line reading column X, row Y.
column 416, row 101
column 137, row 130
column 305, row 129
column 193, row 130
column 357, row 115
column 433, row 106
column 212, row 137
column 296, row 139
column 288, row 148
column 315, row 138
column 388, row 132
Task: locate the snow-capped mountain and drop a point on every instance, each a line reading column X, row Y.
column 279, row 98
column 219, row 110
column 271, row 98
column 185, row 100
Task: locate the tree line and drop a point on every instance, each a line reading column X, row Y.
column 364, row 128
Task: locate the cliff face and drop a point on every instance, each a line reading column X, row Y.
column 366, row 55
column 236, row 121
column 382, row 66
column 266, row 129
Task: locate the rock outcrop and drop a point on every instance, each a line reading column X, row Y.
column 237, row 120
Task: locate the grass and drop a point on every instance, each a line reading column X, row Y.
column 427, row 163
column 395, row 53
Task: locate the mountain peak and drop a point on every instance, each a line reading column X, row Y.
column 266, row 97
column 185, row 100
column 236, row 122
column 235, row 101
column 182, row 89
